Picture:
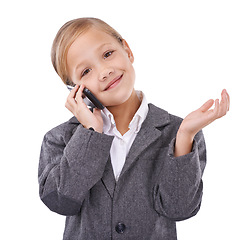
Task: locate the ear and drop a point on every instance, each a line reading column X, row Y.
column 128, row 50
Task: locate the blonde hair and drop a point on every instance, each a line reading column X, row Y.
column 67, row 34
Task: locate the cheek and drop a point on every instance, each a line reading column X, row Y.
column 131, row 76
column 90, row 83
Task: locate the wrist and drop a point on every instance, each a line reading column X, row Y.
column 183, row 144
column 94, row 129
column 185, row 135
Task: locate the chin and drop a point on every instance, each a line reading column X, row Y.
column 118, row 98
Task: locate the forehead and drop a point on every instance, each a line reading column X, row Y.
column 91, row 39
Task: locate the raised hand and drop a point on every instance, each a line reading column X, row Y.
column 199, row 119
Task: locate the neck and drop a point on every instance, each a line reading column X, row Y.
column 124, row 113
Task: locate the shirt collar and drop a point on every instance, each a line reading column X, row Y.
column 108, row 120
column 138, row 119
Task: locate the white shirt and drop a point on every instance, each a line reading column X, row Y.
column 122, row 143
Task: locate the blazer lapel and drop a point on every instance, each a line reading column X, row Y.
column 149, row 133
column 108, row 178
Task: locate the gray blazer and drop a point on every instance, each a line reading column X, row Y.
column 155, row 189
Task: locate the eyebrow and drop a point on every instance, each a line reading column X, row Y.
column 97, row 49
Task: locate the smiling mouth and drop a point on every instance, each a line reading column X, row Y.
column 113, row 83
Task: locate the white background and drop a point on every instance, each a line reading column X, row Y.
column 185, row 53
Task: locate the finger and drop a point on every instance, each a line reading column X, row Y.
column 216, row 109
column 97, row 112
column 207, row 105
column 72, row 95
column 82, row 87
column 70, row 102
column 74, row 91
column 79, row 95
column 223, row 104
column 228, row 99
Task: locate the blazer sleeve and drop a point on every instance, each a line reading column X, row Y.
column 178, row 193
column 68, row 169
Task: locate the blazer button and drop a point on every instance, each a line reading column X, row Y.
column 120, row 228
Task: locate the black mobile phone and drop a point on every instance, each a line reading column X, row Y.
column 91, row 100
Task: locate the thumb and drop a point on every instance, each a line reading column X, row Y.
column 97, row 112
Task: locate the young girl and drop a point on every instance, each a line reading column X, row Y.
column 131, row 170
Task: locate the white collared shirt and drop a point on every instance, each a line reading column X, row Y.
column 122, row 143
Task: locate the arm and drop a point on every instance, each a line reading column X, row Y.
column 71, row 164
column 179, row 191
column 197, row 120
column 68, row 170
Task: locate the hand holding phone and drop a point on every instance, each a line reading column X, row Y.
column 76, row 103
column 93, row 101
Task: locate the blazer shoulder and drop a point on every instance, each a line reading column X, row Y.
column 63, row 132
column 159, row 114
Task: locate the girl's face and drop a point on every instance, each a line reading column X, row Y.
column 103, row 65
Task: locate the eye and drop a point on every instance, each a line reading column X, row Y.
column 85, row 72
column 108, row 54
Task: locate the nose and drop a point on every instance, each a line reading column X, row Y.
column 105, row 73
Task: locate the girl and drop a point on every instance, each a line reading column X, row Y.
column 131, row 170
